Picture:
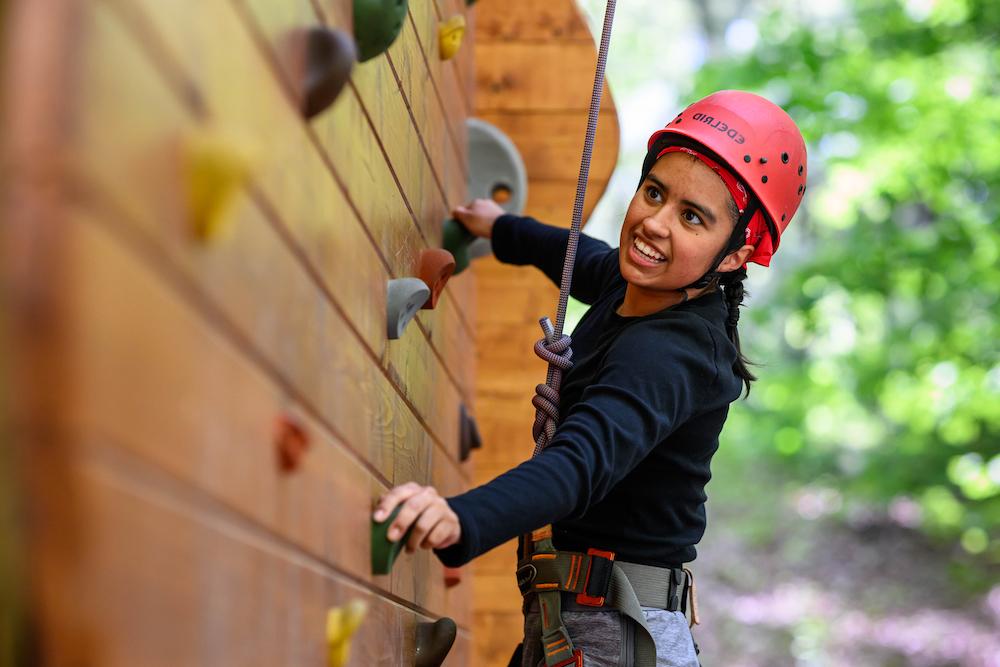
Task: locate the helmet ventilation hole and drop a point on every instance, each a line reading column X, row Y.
column 763, row 179
column 746, row 158
column 784, row 158
column 800, row 170
column 763, row 160
column 782, row 217
column 801, row 189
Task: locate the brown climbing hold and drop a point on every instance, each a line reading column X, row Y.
column 292, row 441
column 436, row 267
column 433, row 641
column 325, row 57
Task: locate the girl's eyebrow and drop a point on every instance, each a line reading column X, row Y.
column 687, row 202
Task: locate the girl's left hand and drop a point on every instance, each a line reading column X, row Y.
column 435, row 525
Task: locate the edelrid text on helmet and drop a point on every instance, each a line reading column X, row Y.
column 718, row 124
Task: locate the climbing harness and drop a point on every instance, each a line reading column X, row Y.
column 575, row 581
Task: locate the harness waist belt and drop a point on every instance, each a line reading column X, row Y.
column 589, row 576
column 658, row 587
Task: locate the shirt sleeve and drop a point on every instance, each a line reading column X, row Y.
column 656, row 376
column 522, row 240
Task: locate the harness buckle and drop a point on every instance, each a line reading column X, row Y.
column 526, row 574
column 598, row 580
column 677, row 590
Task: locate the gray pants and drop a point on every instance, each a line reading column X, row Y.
column 607, row 637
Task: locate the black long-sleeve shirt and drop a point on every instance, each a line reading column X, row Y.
column 640, row 415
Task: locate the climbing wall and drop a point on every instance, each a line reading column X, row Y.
column 534, row 76
column 201, row 390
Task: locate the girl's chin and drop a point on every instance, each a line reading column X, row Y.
column 643, row 279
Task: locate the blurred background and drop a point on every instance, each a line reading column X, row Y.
column 854, row 513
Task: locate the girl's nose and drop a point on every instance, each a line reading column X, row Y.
column 657, row 226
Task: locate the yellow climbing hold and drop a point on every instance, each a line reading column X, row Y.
column 215, row 166
column 341, row 623
column 450, row 36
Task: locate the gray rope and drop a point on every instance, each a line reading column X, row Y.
column 555, row 347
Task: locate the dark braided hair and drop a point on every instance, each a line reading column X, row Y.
column 732, row 288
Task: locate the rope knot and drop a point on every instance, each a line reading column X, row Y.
column 555, row 351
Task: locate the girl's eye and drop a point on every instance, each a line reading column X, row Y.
column 652, row 192
column 691, row 218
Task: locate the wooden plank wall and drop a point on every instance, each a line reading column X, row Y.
column 149, row 371
column 534, row 76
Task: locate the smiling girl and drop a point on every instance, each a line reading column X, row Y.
column 656, row 364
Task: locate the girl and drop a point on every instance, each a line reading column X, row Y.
column 656, row 363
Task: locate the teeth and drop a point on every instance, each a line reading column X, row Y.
column 648, row 250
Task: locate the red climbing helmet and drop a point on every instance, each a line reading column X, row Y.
column 760, row 143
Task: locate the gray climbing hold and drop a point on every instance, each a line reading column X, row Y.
column 468, row 434
column 496, row 171
column 434, row 640
column 405, row 298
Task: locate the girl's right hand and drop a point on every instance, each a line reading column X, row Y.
column 479, row 216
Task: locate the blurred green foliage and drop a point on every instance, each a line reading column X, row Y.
column 879, row 329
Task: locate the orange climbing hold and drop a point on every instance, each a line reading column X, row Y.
column 436, row 267
column 292, row 442
column 452, row 576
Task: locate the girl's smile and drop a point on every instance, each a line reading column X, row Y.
column 645, row 254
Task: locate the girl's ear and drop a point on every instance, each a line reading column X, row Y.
column 735, row 259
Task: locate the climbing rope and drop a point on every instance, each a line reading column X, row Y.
column 554, row 348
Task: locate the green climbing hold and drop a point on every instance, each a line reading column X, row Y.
column 385, row 551
column 377, row 24
column 456, row 239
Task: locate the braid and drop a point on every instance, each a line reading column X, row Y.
column 732, row 287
